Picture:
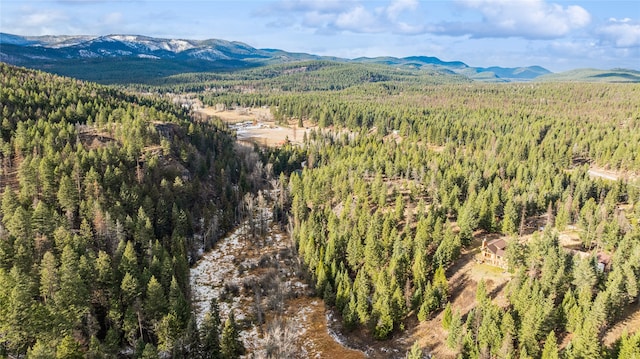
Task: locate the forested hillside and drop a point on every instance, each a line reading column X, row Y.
column 297, row 77
column 108, row 197
column 382, row 212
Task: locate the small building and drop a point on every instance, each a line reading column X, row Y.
column 494, row 252
column 601, row 260
column 604, row 262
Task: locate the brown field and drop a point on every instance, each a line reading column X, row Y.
column 612, row 175
column 570, row 238
column 263, row 130
column 239, row 115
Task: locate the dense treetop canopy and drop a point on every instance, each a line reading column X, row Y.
column 109, row 195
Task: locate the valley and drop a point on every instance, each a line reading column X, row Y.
column 260, row 279
column 316, row 208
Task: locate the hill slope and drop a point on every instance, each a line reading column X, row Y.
column 104, row 196
column 593, row 75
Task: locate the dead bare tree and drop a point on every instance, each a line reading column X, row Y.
column 280, row 340
column 262, row 220
column 249, row 207
column 257, row 302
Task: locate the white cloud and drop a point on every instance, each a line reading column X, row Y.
column 531, row 19
column 398, row 6
column 356, row 16
column 591, row 53
column 43, row 18
column 613, row 19
column 621, row 32
column 302, row 6
column 113, row 18
column 317, row 19
column 357, row 19
column 35, row 21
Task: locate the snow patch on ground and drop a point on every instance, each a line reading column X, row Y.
column 88, row 54
column 143, row 56
column 227, row 272
column 237, row 265
column 331, row 322
column 215, row 269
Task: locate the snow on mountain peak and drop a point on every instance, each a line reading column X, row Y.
column 154, row 44
column 180, row 45
column 124, row 38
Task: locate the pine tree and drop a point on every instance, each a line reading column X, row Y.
column 48, row 277
column 447, row 316
column 190, row 343
column 585, row 342
column 155, row 304
column 585, row 276
column 468, row 221
column 562, row 217
column 150, row 352
column 350, row 313
column 230, row 344
column 510, row 219
column 178, row 304
column 362, row 291
column 42, row 219
column 17, row 319
column 168, row 331
column 69, row 349
column 9, row 204
column 68, row 196
column 629, row 346
column 550, row 350
column 104, row 277
column 398, row 304
column 129, row 289
column 23, row 244
column 415, row 352
column 508, row 330
column 210, row 332
column 441, row 285
column 72, row 297
column 96, row 349
column 41, row 350
column 430, row 302
column 455, row 331
column 129, row 261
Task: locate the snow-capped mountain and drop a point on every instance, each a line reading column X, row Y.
column 78, row 47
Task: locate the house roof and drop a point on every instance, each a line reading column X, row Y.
column 497, row 247
column 601, row 257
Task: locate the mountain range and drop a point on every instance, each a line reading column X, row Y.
column 108, row 58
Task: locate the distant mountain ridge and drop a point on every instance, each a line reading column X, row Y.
column 55, row 53
column 69, row 47
column 593, row 75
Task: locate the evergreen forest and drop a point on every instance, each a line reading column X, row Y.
column 108, row 198
column 111, row 193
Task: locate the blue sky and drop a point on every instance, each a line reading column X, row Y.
column 558, row 35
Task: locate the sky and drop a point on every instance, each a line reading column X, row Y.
column 558, row 35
